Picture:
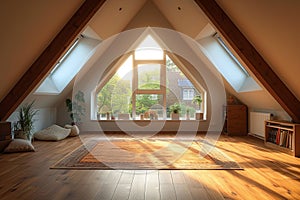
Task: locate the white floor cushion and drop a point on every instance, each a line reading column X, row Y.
column 53, row 133
column 19, row 145
column 74, row 130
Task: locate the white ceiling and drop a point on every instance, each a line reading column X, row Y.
column 115, row 15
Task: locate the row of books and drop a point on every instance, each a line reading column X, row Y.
column 281, row 137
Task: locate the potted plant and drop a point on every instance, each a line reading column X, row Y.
column 198, row 100
column 150, row 114
column 24, row 126
column 76, row 108
column 188, row 113
column 175, row 109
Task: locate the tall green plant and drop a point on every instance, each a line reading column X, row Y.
column 76, row 108
column 26, row 114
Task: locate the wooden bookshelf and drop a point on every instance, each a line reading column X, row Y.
column 283, row 136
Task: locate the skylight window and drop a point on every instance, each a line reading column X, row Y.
column 68, row 66
column 228, row 64
column 66, row 54
column 219, row 39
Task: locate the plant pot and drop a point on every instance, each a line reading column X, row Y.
column 21, row 135
column 142, row 117
column 123, row 116
column 187, row 116
column 175, row 116
column 199, row 116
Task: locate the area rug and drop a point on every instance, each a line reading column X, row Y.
column 146, row 154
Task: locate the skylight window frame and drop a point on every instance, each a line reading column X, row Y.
column 68, row 65
column 61, row 60
column 232, row 56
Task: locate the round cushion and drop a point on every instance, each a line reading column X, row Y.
column 74, row 130
column 19, row 145
column 53, row 133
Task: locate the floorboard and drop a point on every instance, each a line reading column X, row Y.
column 267, row 174
column 152, row 189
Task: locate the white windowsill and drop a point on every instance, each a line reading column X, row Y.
column 148, row 120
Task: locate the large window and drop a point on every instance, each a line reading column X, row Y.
column 146, row 85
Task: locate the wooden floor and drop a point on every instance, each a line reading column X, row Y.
column 266, row 175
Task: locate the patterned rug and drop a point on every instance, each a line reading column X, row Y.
column 146, row 154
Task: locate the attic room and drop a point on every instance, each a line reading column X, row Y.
column 150, row 99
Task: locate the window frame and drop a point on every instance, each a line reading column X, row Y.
column 66, row 54
column 230, row 53
column 189, row 98
column 109, row 73
column 135, row 88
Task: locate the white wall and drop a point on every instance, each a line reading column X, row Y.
column 44, row 118
column 91, row 74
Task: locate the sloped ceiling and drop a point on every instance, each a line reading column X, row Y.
column 27, row 27
column 31, row 25
column 114, row 16
column 185, row 16
column 148, row 15
column 272, row 26
column 117, row 15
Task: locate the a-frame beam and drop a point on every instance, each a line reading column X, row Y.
column 252, row 58
column 49, row 57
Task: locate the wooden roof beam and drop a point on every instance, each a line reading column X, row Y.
column 49, row 57
column 252, row 58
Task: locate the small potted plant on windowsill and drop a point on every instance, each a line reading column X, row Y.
column 175, row 111
column 198, row 100
column 151, row 114
column 188, row 113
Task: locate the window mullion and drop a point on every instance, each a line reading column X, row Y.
column 134, row 86
column 142, row 62
column 163, row 85
column 161, row 91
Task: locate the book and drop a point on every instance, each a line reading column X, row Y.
column 287, row 144
column 284, row 135
column 272, row 135
column 278, row 137
column 291, row 140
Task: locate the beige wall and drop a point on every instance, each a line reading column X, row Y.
column 114, row 16
column 272, row 26
column 149, row 15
